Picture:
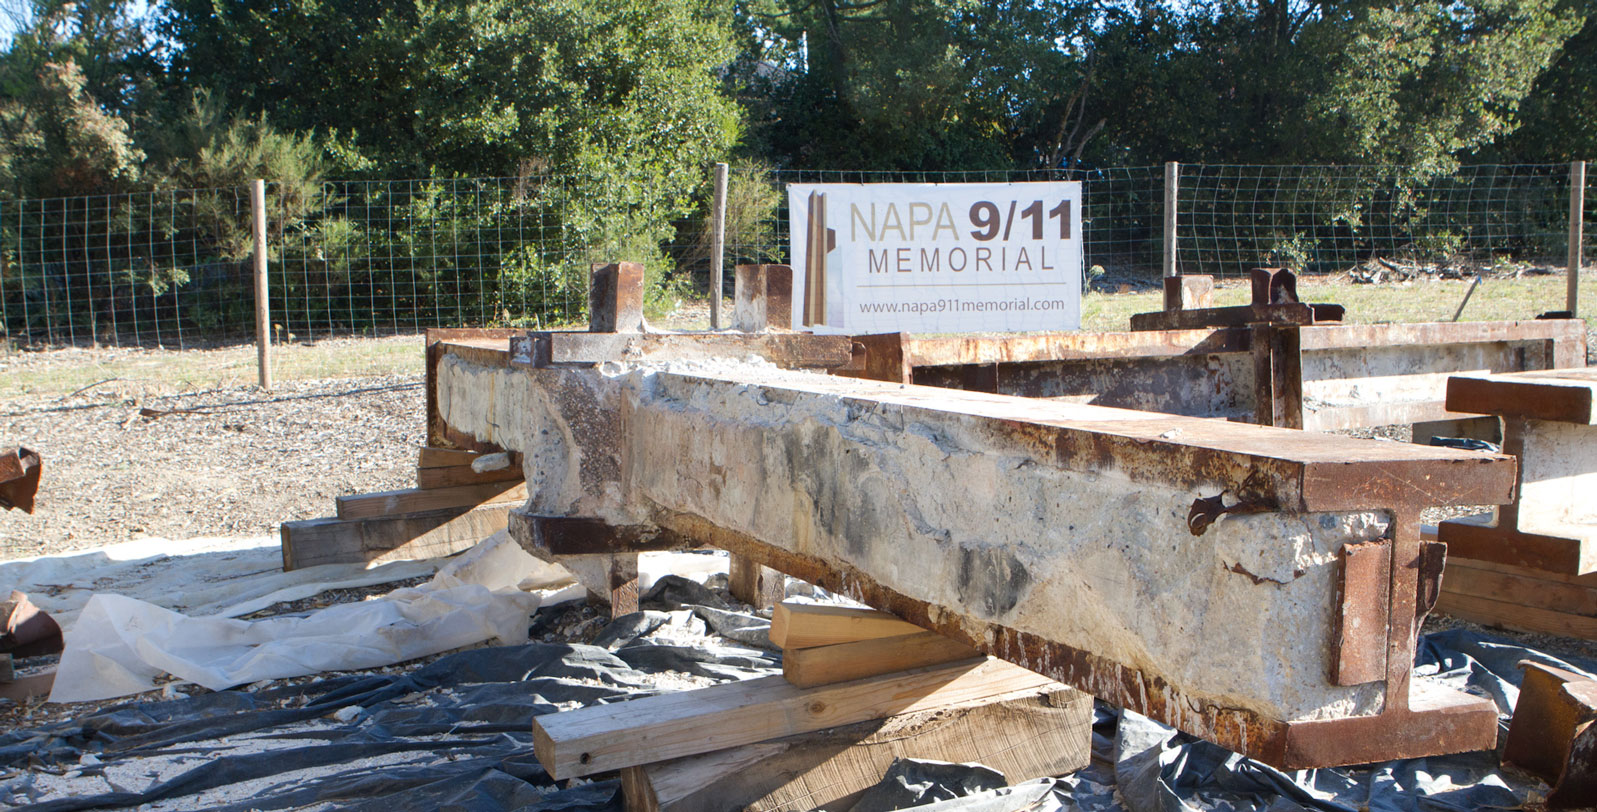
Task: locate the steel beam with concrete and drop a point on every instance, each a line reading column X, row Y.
column 1550, row 425
column 1258, row 587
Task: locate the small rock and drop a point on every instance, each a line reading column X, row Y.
column 347, row 714
column 88, row 759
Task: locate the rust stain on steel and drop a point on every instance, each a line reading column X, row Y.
column 1207, row 510
column 1363, row 613
column 1346, row 336
column 1398, row 732
column 1564, row 396
column 548, row 536
column 790, row 350
column 1553, row 736
column 1148, row 344
column 453, row 340
column 20, row 469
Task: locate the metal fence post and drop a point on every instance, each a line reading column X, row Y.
column 263, row 334
column 1172, row 181
column 717, row 246
column 1577, row 216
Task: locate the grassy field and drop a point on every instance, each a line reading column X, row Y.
column 1430, row 300
column 138, row 370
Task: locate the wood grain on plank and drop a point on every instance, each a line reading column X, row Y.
column 453, row 475
column 418, row 500
column 1045, row 733
column 803, row 625
column 824, row 665
column 600, row 738
column 390, row 538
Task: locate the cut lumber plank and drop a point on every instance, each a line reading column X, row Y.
column 1041, row 734
column 390, row 538
column 453, row 475
column 431, row 457
column 804, row 625
column 1585, row 581
column 825, row 665
column 1489, row 612
column 21, row 689
column 420, row 500
column 600, row 738
column 1520, row 589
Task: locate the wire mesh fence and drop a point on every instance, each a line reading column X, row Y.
column 174, row 268
column 1319, row 219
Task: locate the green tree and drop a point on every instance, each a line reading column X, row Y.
column 922, row 84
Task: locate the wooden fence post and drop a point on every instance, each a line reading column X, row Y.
column 718, row 246
column 1172, row 183
column 263, row 326
column 1577, row 216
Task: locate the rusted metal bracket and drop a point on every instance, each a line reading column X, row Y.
column 1275, row 301
column 1552, row 734
column 19, row 478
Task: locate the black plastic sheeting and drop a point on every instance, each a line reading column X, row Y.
column 468, row 746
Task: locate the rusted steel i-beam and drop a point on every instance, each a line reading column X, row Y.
column 1051, row 534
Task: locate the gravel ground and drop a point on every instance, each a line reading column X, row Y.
column 230, row 462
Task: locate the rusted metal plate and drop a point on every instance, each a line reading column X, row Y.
column 1553, row 733
column 615, row 298
column 953, row 350
column 1277, row 377
column 1564, row 395
column 548, row 536
column 20, row 469
column 1363, row 613
column 794, row 350
column 1237, row 316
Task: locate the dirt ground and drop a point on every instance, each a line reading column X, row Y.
column 121, row 461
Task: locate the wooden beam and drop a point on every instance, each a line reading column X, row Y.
column 463, row 475
column 419, row 500
column 804, row 625
column 825, row 665
column 389, row 538
column 1041, row 734
column 753, row 584
column 431, row 457
column 600, row 738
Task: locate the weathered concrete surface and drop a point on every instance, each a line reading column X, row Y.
column 1063, row 521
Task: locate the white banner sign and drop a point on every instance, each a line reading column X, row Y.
column 936, row 258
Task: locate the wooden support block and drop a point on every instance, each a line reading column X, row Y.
column 431, row 457
column 623, row 584
column 803, row 625
column 1042, row 734
column 600, row 738
column 753, row 584
column 463, row 475
column 420, row 500
column 825, row 665
column 21, row 689
column 390, row 538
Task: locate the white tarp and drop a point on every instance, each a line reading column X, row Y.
column 120, row 645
